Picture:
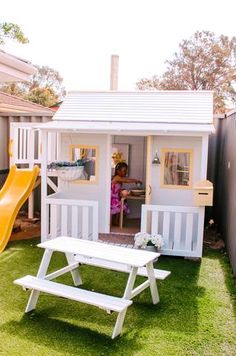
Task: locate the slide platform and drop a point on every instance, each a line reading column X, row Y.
column 16, row 190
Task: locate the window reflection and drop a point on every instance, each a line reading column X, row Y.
column 86, row 156
column 177, row 168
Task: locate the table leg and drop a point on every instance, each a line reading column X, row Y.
column 34, row 295
column 74, row 273
column 127, row 295
column 130, row 283
column 153, row 284
column 119, row 323
column 121, row 212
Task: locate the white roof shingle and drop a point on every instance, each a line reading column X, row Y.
column 193, row 107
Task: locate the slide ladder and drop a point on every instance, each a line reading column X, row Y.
column 16, row 190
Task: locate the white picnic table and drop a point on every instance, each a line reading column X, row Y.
column 78, row 251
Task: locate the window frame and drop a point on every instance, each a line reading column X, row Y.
column 176, row 150
column 91, row 147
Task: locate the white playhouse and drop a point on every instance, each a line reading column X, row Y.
column 162, row 136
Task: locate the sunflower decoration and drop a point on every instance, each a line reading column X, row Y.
column 117, row 157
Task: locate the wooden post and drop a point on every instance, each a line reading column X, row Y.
column 114, row 72
column 44, row 206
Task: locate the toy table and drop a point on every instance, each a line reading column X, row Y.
column 77, row 251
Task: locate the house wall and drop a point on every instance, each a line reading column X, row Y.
column 223, row 147
column 92, row 190
column 4, row 160
column 171, row 196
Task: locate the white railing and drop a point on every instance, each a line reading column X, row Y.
column 25, row 145
column 74, row 218
column 181, row 228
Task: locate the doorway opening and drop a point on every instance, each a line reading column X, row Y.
column 127, row 197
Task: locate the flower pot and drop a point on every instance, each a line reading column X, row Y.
column 151, row 248
column 70, row 173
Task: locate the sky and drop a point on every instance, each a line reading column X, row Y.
column 77, row 37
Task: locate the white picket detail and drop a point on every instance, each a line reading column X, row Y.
column 75, row 221
column 177, row 231
column 177, row 225
column 74, row 218
column 189, row 231
column 64, row 220
column 154, row 226
column 166, row 228
column 53, row 221
column 26, row 144
column 85, row 224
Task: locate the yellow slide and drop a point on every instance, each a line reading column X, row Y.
column 16, row 190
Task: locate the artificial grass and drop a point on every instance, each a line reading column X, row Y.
column 196, row 315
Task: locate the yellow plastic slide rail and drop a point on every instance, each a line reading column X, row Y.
column 16, row 190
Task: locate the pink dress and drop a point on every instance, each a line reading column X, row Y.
column 116, row 200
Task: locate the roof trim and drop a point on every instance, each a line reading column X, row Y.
column 17, row 63
column 231, row 112
column 119, row 127
column 141, row 91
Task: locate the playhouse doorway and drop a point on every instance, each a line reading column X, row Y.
column 133, row 151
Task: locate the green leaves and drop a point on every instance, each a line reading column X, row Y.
column 203, row 62
column 12, row 31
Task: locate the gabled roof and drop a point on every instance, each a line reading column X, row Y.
column 11, row 104
column 13, row 69
column 170, row 107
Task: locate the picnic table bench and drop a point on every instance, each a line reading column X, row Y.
column 78, row 251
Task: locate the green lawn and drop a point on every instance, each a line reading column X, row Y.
column 196, row 315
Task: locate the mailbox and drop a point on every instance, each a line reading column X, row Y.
column 203, row 193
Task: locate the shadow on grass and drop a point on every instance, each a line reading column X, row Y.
column 62, row 336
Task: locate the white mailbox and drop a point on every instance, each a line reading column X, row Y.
column 203, row 193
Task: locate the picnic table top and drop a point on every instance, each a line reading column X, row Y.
column 92, row 249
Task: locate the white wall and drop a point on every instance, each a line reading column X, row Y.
column 98, row 190
column 170, row 196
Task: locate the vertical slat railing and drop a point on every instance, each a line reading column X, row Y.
column 53, row 221
column 20, row 143
column 75, row 221
column 166, row 228
column 64, row 220
column 22, row 137
column 154, row 225
column 75, row 218
column 182, row 236
column 189, row 232
column 177, row 231
column 85, row 223
column 95, row 221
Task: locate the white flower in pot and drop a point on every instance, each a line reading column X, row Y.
column 145, row 240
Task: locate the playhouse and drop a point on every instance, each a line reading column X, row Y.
column 163, row 137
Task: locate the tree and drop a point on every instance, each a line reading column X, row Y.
column 12, row 31
column 44, row 88
column 46, row 77
column 203, row 62
column 43, row 96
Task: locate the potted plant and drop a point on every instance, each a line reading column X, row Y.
column 152, row 242
column 68, row 170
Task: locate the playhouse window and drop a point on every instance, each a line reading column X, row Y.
column 176, row 168
column 88, row 156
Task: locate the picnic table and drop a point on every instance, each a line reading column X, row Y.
column 78, row 251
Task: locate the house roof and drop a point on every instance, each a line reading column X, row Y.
column 171, row 107
column 11, row 104
column 130, row 128
column 13, row 69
